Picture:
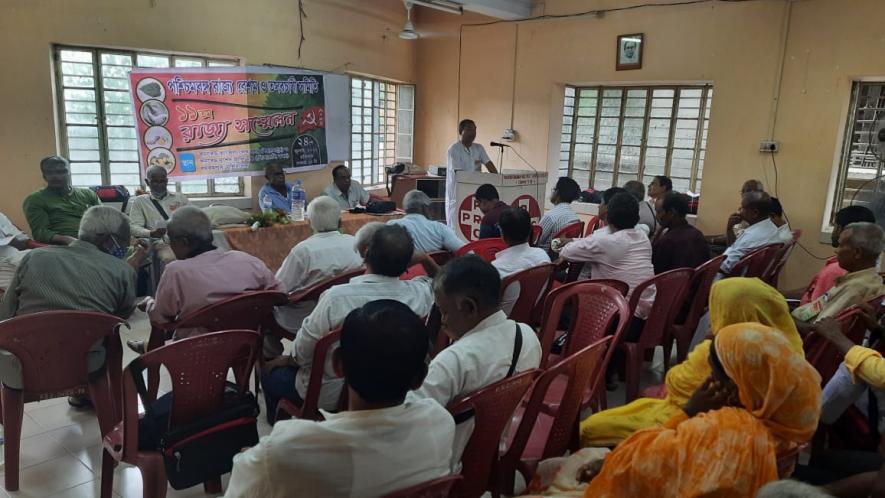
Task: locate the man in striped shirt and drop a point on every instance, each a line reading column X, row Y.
column 562, row 214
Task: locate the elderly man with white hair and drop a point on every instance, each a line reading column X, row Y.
column 202, row 274
column 323, row 255
column 90, row 274
column 428, row 235
column 149, row 213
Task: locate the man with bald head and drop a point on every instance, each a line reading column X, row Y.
column 149, row 213
column 276, row 189
column 756, row 212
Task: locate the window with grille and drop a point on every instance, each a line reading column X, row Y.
column 611, row 135
column 97, row 122
column 859, row 167
column 382, row 122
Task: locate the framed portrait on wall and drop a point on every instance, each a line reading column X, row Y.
column 629, row 54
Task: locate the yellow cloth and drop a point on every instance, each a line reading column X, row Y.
column 850, row 289
column 730, row 452
column 867, row 365
column 733, row 300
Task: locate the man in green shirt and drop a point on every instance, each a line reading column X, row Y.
column 54, row 212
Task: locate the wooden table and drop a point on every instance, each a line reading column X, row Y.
column 272, row 244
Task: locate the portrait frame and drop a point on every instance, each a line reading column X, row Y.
column 628, row 51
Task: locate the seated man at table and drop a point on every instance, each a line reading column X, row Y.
column 89, row 274
column 679, row 244
column 486, row 346
column 389, row 254
column 760, row 231
column 202, row 274
column 54, row 212
column 276, row 189
column 491, row 207
column 347, row 192
column 561, row 214
column 323, row 255
column 13, row 247
column 428, row 235
column 516, row 229
column 381, row 443
column 149, row 213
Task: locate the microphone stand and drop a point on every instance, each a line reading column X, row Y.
column 537, row 184
column 500, row 156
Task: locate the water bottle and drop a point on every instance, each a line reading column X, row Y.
column 266, row 204
column 298, row 197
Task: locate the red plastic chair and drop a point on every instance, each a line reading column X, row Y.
column 536, row 234
column 593, row 224
column 493, row 406
column 774, row 271
column 33, row 244
column 574, row 230
column 198, row 367
column 484, row 248
column 698, row 295
column 439, row 257
column 671, row 287
column 313, row 293
column 540, row 435
column 534, row 284
column 437, row 488
column 310, row 409
column 822, row 355
column 757, row 262
column 53, row 348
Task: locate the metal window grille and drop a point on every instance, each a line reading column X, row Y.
column 382, row 127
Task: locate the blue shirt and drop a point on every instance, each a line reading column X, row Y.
column 279, row 201
column 429, row 235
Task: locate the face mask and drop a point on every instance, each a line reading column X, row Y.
column 117, row 251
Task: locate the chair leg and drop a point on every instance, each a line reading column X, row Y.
column 212, row 486
column 102, row 399
column 153, row 383
column 153, row 477
column 634, row 366
column 13, row 411
column 107, row 474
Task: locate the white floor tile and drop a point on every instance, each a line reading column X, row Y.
column 52, row 476
column 78, row 437
column 90, row 457
column 62, row 415
column 38, row 449
column 91, row 489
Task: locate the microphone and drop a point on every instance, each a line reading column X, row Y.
column 497, row 144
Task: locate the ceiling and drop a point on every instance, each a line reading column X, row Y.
column 499, row 9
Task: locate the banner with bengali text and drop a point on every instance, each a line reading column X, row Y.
column 206, row 123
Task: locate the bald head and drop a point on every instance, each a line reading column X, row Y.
column 755, row 207
column 390, row 251
column 752, row 186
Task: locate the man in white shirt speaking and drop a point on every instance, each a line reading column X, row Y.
column 382, row 443
column 463, row 155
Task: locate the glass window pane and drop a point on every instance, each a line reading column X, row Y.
column 116, row 59
column 76, row 56
column 188, row 62
column 145, row 60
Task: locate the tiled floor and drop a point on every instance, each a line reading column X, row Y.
column 61, row 451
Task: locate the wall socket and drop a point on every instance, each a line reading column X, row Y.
column 509, row 134
column 770, row 146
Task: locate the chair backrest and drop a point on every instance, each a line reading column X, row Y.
column 579, row 369
column 440, row 257
column 310, row 409
column 756, row 262
column 247, row 311
column 573, row 230
column 533, row 284
column 53, row 347
column 484, row 248
column 597, row 310
column 822, row 355
column 437, row 488
column 493, row 406
column 774, row 271
column 699, row 290
column 313, row 292
column 670, row 289
column 537, row 230
column 592, row 225
column 618, row 285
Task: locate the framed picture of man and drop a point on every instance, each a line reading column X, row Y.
column 629, row 51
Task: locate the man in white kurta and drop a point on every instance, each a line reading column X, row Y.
column 463, row 155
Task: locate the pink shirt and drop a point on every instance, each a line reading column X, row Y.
column 823, row 281
column 190, row 284
column 624, row 255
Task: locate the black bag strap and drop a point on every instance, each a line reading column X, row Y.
column 136, row 369
column 160, row 209
column 517, row 348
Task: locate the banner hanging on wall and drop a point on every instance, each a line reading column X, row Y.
column 206, row 123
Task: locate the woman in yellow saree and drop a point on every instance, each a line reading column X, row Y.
column 733, row 300
column 762, row 397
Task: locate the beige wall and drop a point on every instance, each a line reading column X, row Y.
column 352, row 35
column 736, row 46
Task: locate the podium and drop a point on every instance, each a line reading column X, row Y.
column 519, row 188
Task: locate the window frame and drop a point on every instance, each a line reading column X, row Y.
column 100, row 113
column 569, row 145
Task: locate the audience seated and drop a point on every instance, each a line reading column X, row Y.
column 561, row 214
column 490, row 205
column 89, row 274
column 735, row 225
column 486, row 347
column 382, row 443
column 860, row 246
column 784, row 232
column 602, row 213
column 202, row 274
column 516, row 229
column 760, row 231
column 149, row 213
column 733, row 300
column 348, row 193
column 428, row 235
column 323, row 255
column 762, row 398
column 677, row 244
column 54, row 212
column 389, row 253
column 646, row 207
column 276, row 188
column 659, row 187
column 13, row 247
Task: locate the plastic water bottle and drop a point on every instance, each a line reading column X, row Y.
column 298, row 197
column 266, row 204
